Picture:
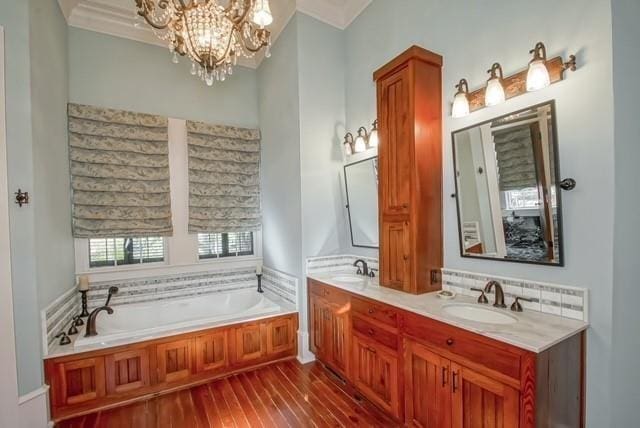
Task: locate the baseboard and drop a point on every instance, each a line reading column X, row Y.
column 304, row 354
column 33, row 409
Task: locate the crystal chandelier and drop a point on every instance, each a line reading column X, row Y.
column 211, row 33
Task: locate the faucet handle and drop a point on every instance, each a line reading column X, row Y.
column 516, row 306
column 482, row 298
column 64, row 339
column 372, row 272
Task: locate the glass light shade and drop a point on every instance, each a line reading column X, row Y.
column 538, row 76
column 360, row 145
column 347, row 148
column 494, row 93
column 373, row 138
column 262, row 13
column 460, row 105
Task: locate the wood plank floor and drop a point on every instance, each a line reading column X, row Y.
column 286, row 394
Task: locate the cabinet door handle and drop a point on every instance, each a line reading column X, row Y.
column 373, row 351
column 455, row 381
column 445, row 376
column 405, row 205
column 405, row 257
column 371, row 311
column 371, row 332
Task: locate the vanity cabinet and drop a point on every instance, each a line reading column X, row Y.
column 409, row 99
column 429, row 374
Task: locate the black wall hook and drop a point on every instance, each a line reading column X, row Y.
column 568, row 184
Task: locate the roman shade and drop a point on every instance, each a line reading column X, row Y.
column 119, row 164
column 515, row 158
column 224, row 179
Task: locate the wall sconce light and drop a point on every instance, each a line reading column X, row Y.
column 538, row 75
column 373, row 135
column 460, row 101
column 348, row 144
column 494, row 94
column 361, row 140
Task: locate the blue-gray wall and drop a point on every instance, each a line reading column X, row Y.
column 471, row 36
column 626, row 288
column 117, row 73
column 280, row 160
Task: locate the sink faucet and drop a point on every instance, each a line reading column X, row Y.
column 91, row 321
column 365, row 268
column 499, row 301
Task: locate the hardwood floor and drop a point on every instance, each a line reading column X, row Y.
column 286, row 394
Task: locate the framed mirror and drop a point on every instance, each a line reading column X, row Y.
column 508, row 188
column 361, row 182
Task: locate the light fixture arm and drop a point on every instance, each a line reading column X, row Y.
column 462, row 87
column 571, row 64
column 495, row 69
column 362, row 130
column 539, row 52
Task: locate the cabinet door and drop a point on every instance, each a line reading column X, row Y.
column 427, row 388
column 375, row 374
column 174, row 361
column 280, row 336
column 127, row 371
column 211, row 351
column 395, row 255
column 396, row 143
column 339, row 335
column 479, row 401
column 79, row 381
column 320, row 322
column 249, row 342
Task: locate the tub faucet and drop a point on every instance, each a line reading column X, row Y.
column 364, row 270
column 91, row 321
column 499, row 301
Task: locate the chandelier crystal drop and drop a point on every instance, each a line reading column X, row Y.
column 213, row 34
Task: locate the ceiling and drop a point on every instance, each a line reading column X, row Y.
column 116, row 17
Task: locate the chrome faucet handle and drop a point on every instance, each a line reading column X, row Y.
column 516, row 306
column 482, row 298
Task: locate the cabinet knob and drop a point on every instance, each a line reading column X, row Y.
column 405, row 205
column 371, row 332
column 405, row 257
column 449, row 341
column 371, row 310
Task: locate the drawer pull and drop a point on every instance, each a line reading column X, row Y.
column 371, row 311
column 449, row 341
column 371, row 332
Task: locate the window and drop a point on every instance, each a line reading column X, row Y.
column 125, row 251
column 522, row 199
column 216, row 245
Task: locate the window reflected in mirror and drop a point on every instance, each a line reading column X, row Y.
column 361, row 180
column 507, row 174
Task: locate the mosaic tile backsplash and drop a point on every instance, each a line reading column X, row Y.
column 337, row 263
column 565, row 301
column 283, row 285
column 57, row 316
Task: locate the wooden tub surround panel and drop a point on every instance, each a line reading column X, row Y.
column 429, row 374
column 91, row 381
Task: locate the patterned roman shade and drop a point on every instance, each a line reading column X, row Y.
column 224, row 179
column 119, row 173
column 516, row 162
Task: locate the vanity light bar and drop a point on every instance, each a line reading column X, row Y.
column 540, row 73
column 364, row 141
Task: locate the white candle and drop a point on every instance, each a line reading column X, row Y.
column 259, row 268
column 83, row 283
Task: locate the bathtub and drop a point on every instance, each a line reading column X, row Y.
column 150, row 320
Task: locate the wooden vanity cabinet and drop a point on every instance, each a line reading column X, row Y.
column 433, row 375
column 409, row 99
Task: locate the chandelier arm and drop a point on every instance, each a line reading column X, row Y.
column 245, row 12
column 194, row 53
column 250, row 46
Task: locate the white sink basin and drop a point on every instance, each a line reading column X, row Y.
column 479, row 314
column 352, row 279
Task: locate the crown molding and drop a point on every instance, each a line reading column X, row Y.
column 337, row 13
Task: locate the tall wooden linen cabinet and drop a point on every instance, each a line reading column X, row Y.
column 409, row 97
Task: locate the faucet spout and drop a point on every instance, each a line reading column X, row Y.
column 364, row 270
column 91, row 321
column 499, row 300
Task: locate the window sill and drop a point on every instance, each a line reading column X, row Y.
column 159, row 269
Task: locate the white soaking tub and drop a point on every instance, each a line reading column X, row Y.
column 149, row 320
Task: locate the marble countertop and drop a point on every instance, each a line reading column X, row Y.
column 533, row 331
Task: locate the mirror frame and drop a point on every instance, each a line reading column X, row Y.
column 346, row 188
column 559, row 190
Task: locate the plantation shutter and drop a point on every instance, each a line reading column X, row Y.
column 224, row 179
column 514, row 155
column 119, row 164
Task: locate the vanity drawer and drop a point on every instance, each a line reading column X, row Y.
column 378, row 334
column 331, row 294
column 464, row 344
column 375, row 310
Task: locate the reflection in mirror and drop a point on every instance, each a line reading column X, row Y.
column 361, row 180
column 506, row 185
